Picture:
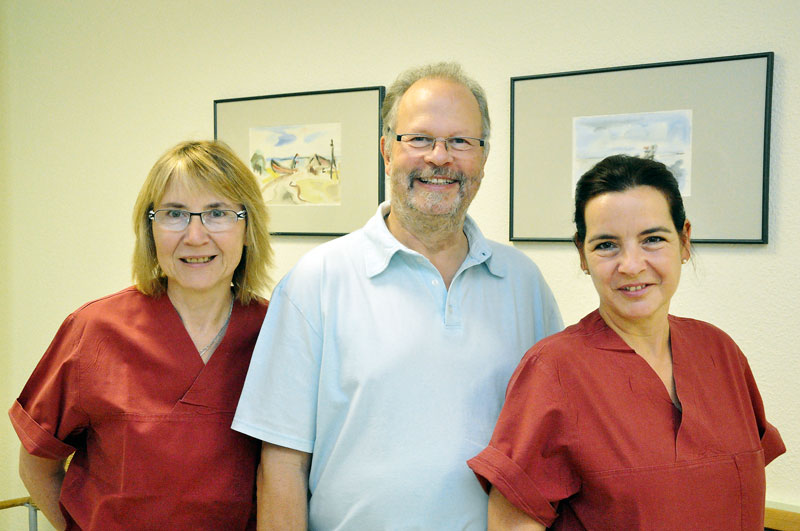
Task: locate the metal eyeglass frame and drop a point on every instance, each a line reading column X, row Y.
column 242, row 214
column 442, row 139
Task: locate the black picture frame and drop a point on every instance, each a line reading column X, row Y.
column 728, row 101
column 349, row 184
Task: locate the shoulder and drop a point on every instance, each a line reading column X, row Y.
column 695, row 331
column 317, row 274
column 552, row 364
column 512, row 263
column 566, row 343
column 509, row 254
column 256, row 309
column 705, row 341
column 129, row 294
column 573, row 346
column 95, row 321
column 128, row 299
column 504, row 259
column 519, row 277
column 326, row 267
column 332, row 255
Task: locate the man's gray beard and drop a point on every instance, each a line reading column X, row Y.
column 421, row 223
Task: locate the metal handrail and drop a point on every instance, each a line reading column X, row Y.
column 781, row 520
column 33, row 522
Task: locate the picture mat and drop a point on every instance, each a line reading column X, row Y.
column 727, row 99
column 358, row 112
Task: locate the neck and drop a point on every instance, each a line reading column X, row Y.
column 201, row 312
column 649, row 338
column 440, row 239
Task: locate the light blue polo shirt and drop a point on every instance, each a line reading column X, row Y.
column 391, row 380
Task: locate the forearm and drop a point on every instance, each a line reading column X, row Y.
column 283, row 489
column 503, row 516
column 43, row 479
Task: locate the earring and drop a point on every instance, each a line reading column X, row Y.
column 684, row 260
column 585, row 271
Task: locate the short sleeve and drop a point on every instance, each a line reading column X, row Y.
column 771, row 440
column 278, row 403
column 47, row 415
column 529, row 456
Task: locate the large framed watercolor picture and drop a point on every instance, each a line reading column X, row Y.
column 316, row 155
column 708, row 120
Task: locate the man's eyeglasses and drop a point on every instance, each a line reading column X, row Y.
column 451, row 143
column 215, row 220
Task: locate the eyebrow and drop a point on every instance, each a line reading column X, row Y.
column 652, row 230
column 601, row 237
column 431, row 135
column 217, row 204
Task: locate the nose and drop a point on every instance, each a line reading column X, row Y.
column 631, row 261
column 439, row 155
column 196, row 232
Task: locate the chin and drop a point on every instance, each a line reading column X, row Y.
column 437, row 207
column 639, row 314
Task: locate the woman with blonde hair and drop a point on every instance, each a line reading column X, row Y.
column 141, row 386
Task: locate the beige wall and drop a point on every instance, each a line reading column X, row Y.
column 93, row 91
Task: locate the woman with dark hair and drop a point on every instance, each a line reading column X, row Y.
column 140, row 386
column 631, row 418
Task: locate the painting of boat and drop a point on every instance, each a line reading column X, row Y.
column 278, row 168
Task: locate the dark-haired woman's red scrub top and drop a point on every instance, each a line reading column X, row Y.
column 588, row 437
column 122, row 386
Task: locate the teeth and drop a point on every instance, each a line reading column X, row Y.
column 437, row 181
column 634, row 288
column 202, row 260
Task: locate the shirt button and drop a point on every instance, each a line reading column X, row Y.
column 434, row 282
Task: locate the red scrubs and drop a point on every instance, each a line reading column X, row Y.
column 122, row 386
column 589, row 429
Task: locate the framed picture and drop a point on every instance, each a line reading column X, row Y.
column 316, row 155
column 708, row 120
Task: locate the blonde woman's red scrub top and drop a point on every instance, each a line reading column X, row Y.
column 123, row 387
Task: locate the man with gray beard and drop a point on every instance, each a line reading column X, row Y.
column 384, row 357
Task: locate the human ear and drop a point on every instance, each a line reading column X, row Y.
column 581, row 254
column 385, row 154
column 686, row 241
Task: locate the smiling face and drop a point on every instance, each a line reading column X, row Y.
column 633, row 252
column 196, row 261
column 435, row 182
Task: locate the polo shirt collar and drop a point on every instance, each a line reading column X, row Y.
column 382, row 246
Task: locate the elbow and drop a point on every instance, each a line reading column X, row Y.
column 34, row 470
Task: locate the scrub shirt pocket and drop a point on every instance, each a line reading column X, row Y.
column 753, row 486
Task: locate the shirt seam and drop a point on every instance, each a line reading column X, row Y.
column 302, row 313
